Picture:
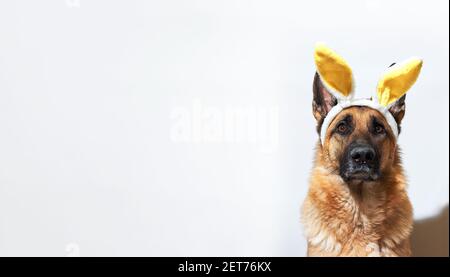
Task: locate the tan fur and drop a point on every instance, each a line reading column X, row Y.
column 373, row 218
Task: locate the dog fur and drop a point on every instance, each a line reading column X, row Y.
column 356, row 217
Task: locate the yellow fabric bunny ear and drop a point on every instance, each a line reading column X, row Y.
column 334, row 71
column 397, row 81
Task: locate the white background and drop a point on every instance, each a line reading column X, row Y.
column 87, row 88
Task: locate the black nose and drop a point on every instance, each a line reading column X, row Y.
column 364, row 154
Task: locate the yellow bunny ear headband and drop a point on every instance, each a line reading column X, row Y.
column 337, row 77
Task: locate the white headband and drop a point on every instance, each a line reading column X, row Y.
column 341, row 105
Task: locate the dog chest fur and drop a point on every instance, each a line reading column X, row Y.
column 373, row 220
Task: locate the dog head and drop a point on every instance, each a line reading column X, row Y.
column 359, row 137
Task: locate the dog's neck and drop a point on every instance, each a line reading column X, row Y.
column 364, row 195
column 348, row 217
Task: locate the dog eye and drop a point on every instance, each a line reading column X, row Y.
column 379, row 129
column 342, row 128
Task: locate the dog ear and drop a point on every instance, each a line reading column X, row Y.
column 323, row 100
column 397, row 80
column 334, row 71
column 397, row 109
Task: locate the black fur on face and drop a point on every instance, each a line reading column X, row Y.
column 360, row 161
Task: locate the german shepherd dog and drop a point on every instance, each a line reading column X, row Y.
column 357, row 204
